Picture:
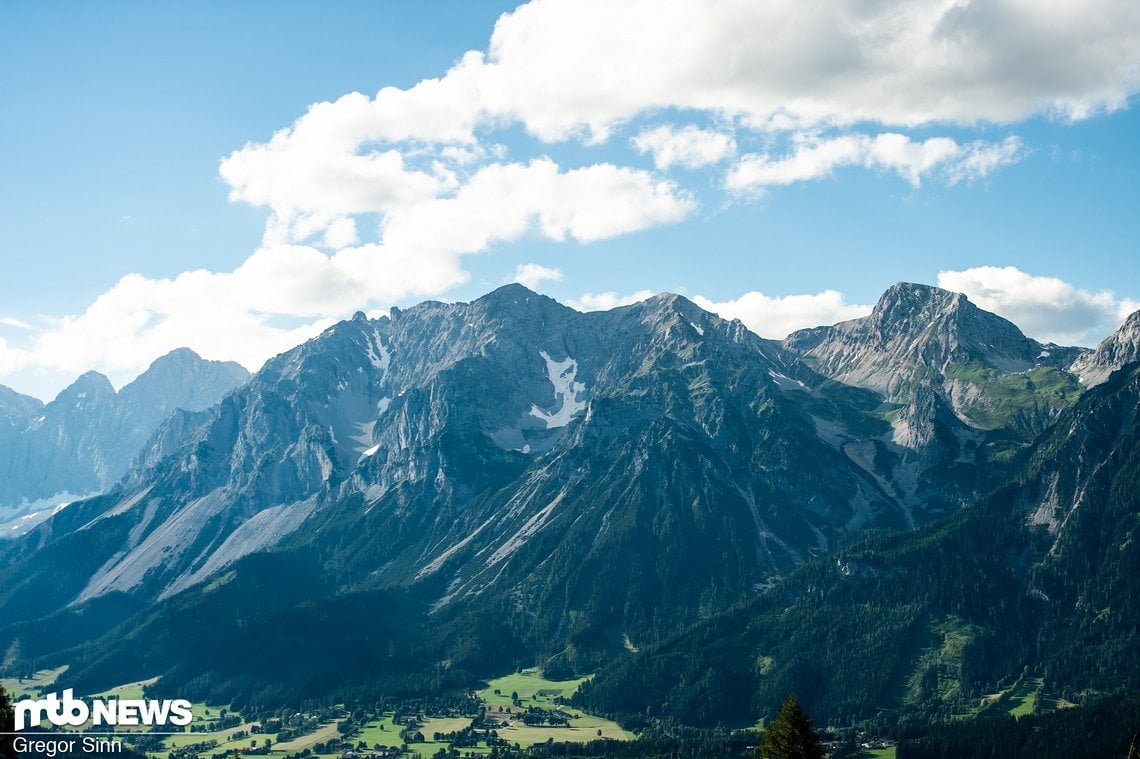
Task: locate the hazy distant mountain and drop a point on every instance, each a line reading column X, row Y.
column 16, row 411
column 83, row 441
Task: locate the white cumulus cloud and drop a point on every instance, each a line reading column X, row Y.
column 530, row 275
column 566, row 68
column 375, row 198
column 1045, row 308
column 689, row 146
column 777, row 317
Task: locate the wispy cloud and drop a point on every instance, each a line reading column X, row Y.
column 814, row 157
column 9, row 321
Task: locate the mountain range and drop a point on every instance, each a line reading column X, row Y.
column 651, row 492
column 84, row 441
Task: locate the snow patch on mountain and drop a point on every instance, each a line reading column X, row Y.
column 378, row 355
column 569, row 394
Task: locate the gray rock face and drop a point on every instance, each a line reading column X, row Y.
column 914, row 331
column 578, row 473
column 1120, row 348
column 83, row 441
column 470, row 445
column 920, row 336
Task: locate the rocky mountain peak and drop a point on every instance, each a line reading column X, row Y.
column 1120, row 348
column 183, row 379
column 89, row 387
column 922, row 336
column 904, row 299
column 515, row 305
column 83, row 441
column 16, row 410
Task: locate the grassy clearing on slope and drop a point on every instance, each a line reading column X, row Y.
column 1009, row 395
column 935, row 654
column 1023, row 697
column 127, row 690
column 320, row 735
column 534, row 690
column 32, row 686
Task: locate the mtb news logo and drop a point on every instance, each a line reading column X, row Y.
column 74, row 712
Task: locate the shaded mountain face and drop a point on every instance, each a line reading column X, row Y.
column 519, row 480
column 587, row 480
column 918, row 336
column 84, row 440
column 1036, row 578
column 1115, row 351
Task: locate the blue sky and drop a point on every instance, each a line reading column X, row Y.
column 782, row 163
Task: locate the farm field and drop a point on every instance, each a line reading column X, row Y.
column 531, row 688
column 1023, row 698
column 34, row 685
column 536, row 691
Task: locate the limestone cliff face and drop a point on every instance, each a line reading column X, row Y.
column 1120, row 348
column 574, row 476
column 922, row 336
column 644, row 462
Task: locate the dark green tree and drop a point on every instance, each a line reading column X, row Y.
column 790, row 735
column 7, row 726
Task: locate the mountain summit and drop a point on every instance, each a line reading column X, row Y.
column 923, row 336
column 1115, row 351
column 83, row 441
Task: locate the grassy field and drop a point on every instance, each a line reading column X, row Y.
column 224, row 738
column 1023, row 698
column 373, row 735
column 878, row 753
column 320, row 735
column 126, row 691
column 535, row 690
column 34, row 685
column 532, row 687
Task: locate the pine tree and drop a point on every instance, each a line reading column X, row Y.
column 7, row 725
column 790, row 735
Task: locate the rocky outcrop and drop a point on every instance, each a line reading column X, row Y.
column 1118, row 349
